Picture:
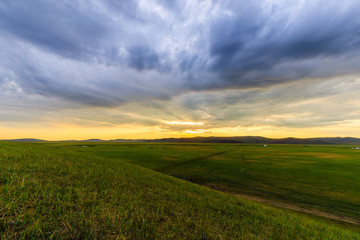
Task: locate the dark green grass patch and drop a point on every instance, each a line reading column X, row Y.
column 317, row 177
column 54, row 193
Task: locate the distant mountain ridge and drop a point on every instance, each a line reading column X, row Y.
column 240, row 139
column 24, row 140
column 257, row 139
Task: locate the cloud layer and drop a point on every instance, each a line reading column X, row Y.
column 213, row 61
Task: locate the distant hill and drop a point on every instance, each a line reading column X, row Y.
column 24, row 140
column 92, row 140
column 256, row 139
column 127, row 140
column 299, row 141
column 339, row 140
column 240, row 139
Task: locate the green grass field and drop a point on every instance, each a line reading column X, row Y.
column 319, row 177
column 111, row 191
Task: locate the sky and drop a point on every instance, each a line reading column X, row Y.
column 140, row 69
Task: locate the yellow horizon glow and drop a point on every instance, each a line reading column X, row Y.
column 195, row 131
column 133, row 131
column 184, row 123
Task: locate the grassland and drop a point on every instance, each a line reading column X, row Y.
column 110, row 191
column 325, row 178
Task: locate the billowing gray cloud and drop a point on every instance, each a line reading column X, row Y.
column 61, row 26
column 219, row 44
column 143, row 58
column 182, row 56
column 251, row 47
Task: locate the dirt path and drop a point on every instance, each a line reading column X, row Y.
column 187, row 161
column 300, row 209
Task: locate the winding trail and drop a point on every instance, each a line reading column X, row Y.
column 300, row 209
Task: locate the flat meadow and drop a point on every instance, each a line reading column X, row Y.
column 319, row 177
column 88, row 190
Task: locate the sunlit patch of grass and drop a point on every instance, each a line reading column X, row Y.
column 57, row 192
column 320, row 177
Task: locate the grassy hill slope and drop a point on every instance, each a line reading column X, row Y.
column 318, row 177
column 54, row 194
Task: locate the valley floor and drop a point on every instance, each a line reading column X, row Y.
column 104, row 191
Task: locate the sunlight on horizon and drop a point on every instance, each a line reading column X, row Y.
column 184, row 123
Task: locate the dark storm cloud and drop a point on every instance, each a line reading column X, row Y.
column 143, row 58
column 249, row 41
column 58, row 26
column 105, row 53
